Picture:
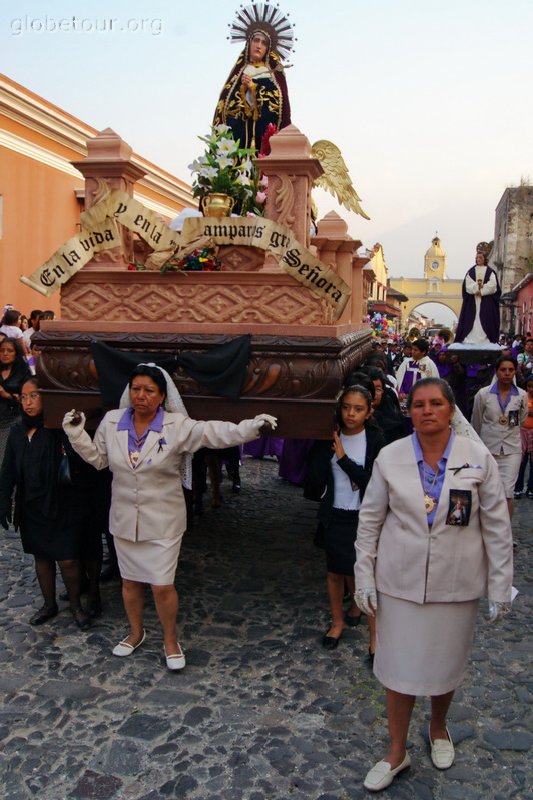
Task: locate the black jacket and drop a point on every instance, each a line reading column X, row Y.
column 39, row 482
column 319, row 484
column 9, row 406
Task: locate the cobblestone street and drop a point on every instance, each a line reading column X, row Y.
column 262, row 711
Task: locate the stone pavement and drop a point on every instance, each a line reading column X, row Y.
column 261, row 711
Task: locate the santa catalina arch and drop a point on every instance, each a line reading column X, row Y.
column 434, row 287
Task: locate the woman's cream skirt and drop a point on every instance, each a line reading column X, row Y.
column 423, row 649
column 153, row 561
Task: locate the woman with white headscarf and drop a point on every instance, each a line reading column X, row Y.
column 147, row 445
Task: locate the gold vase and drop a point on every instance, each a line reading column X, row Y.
column 217, row 205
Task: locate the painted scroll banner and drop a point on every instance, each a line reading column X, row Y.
column 100, row 232
column 122, row 208
column 72, row 256
column 277, row 239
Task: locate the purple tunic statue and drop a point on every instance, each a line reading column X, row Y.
column 479, row 321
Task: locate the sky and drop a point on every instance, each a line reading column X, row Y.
column 428, row 100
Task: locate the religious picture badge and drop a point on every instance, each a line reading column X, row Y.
column 513, row 419
column 459, row 507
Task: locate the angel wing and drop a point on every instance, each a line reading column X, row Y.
column 336, row 178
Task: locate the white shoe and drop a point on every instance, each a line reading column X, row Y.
column 124, row 648
column 442, row 751
column 175, row 660
column 382, row 774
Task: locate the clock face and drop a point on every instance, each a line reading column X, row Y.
column 435, row 265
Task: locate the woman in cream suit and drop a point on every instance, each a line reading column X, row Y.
column 423, row 576
column 148, row 451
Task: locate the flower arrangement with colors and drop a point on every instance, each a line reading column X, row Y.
column 199, row 260
column 227, row 168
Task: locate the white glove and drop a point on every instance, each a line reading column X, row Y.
column 367, row 601
column 74, row 423
column 264, row 419
column 497, row 610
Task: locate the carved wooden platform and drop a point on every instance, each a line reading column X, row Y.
column 295, row 377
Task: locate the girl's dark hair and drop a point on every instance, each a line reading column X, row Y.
column 150, row 372
column 11, row 317
column 356, row 387
column 501, row 359
column 443, row 386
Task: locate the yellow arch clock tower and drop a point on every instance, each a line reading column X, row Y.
column 435, row 261
column 434, row 287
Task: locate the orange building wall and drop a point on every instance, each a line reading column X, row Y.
column 40, row 212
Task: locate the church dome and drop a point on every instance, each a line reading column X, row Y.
column 435, row 249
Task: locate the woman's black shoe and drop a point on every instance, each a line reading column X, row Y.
column 94, row 608
column 330, row 642
column 82, row 620
column 44, row 614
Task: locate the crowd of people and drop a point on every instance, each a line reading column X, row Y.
column 414, row 515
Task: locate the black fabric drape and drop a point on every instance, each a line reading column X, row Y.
column 222, row 370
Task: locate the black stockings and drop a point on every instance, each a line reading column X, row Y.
column 92, row 570
column 46, row 575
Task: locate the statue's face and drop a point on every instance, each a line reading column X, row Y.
column 258, row 47
column 480, row 259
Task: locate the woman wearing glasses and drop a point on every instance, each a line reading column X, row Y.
column 47, row 512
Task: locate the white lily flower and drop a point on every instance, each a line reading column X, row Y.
column 224, row 161
column 222, row 128
column 243, row 180
column 197, row 164
column 225, row 147
column 208, row 172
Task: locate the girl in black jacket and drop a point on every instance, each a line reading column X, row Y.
column 339, row 472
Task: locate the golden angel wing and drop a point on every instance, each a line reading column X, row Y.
column 336, row 178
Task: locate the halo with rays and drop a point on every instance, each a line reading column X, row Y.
column 268, row 18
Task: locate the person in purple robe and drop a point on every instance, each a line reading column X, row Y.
column 443, row 366
column 479, row 320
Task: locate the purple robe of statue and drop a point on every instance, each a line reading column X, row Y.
column 489, row 311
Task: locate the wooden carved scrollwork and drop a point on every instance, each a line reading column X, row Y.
column 285, row 199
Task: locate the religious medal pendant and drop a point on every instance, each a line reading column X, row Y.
column 429, row 503
column 503, row 420
column 134, row 457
